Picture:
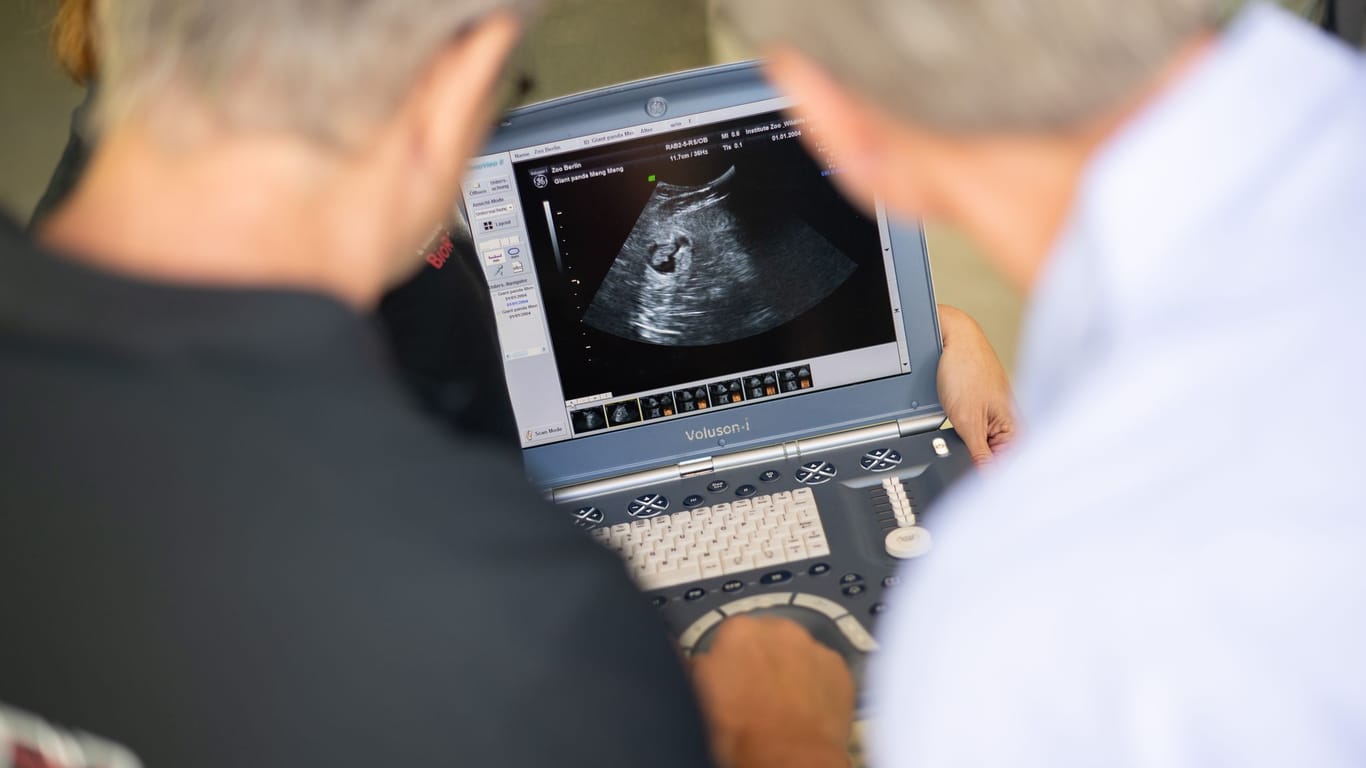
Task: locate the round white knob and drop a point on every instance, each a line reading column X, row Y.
column 905, row 543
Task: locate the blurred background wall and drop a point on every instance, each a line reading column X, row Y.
column 577, row 44
column 36, row 101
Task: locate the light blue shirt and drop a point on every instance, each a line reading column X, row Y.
column 1170, row 570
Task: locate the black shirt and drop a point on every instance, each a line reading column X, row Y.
column 441, row 328
column 439, row 323
column 228, row 538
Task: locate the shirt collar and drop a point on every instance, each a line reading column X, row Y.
column 1173, row 170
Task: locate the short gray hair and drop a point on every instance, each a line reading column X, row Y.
column 976, row 66
column 325, row 69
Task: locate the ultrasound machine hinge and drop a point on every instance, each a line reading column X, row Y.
column 916, row 425
column 616, row 484
column 875, row 433
column 695, row 467
column 891, row 430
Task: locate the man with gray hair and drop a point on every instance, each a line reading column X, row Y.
column 1167, row 570
column 227, row 537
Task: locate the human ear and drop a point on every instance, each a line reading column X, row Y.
column 865, row 144
column 836, row 129
column 451, row 111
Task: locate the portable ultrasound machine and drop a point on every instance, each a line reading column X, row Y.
column 719, row 368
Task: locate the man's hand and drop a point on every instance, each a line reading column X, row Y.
column 973, row 386
column 773, row 696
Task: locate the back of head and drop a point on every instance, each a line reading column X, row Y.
column 324, row 69
column 984, row 66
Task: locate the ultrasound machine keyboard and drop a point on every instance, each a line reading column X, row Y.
column 720, row 540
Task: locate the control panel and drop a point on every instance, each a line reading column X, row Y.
column 816, row 539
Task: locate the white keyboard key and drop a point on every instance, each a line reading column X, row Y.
column 737, row 564
column 659, row 578
column 688, row 570
column 711, row 566
column 767, row 558
column 729, row 537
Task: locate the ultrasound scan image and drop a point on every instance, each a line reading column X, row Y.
column 712, row 264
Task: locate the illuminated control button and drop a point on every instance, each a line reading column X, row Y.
column 776, row 577
column 823, row 605
column 649, row 505
column 941, row 447
column 587, row 517
column 747, row 604
column 699, row 628
column 816, row 472
column 880, row 460
column 856, row 634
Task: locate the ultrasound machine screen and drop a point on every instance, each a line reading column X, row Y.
column 659, row 271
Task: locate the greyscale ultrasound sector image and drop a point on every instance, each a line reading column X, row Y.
column 698, row 255
column 714, row 263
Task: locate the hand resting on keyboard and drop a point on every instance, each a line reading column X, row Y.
column 774, row 696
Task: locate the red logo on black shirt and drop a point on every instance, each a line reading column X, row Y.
column 25, row 757
column 438, row 257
